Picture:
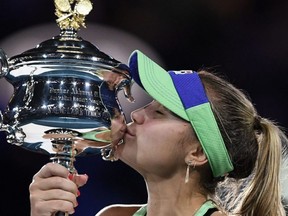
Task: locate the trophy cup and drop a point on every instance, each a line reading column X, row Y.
column 65, row 93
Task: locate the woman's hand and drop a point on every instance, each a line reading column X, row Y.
column 54, row 189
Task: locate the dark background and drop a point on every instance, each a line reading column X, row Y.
column 244, row 40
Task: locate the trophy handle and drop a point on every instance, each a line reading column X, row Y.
column 3, row 127
column 1, row 121
column 4, row 64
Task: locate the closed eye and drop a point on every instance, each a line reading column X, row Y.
column 159, row 112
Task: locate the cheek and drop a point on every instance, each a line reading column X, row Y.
column 160, row 143
column 165, row 134
column 161, row 155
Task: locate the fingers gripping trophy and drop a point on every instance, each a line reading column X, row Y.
column 65, row 93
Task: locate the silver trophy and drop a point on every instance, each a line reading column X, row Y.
column 65, row 92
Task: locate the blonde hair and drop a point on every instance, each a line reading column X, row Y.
column 255, row 147
column 263, row 195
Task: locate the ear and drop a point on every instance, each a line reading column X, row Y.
column 197, row 156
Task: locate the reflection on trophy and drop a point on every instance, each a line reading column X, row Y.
column 65, row 92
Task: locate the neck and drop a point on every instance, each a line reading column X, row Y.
column 173, row 197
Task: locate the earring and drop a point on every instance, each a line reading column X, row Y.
column 188, row 172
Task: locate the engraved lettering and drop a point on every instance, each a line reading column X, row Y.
column 58, row 91
column 78, row 91
column 74, row 100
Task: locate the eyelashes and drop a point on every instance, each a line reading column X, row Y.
column 159, row 112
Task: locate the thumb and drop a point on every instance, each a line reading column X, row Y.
column 78, row 179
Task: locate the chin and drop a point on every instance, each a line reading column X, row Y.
column 125, row 154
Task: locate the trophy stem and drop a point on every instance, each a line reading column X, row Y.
column 65, row 156
column 67, row 162
column 65, row 152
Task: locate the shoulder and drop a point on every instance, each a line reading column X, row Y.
column 119, row 210
column 218, row 213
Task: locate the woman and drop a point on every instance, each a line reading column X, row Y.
column 198, row 140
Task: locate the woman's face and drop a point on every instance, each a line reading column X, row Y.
column 155, row 141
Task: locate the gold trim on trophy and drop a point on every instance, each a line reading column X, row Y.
column 71, row 13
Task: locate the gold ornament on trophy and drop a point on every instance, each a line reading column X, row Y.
column 71, row 14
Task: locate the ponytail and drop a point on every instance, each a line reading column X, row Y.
column 263, row 196
column 255, row 148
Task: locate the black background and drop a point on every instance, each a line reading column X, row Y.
column 245, row 40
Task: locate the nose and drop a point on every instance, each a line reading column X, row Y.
column 137, row 116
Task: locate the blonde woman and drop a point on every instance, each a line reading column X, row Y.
column 194, row 144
